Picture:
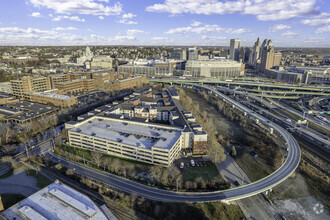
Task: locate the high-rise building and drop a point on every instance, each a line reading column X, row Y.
column 277, row 59
column 241, row 55
column 255, row 54
column 179, row 54
column 234, row 49
column 268, row 56
column 192, row 54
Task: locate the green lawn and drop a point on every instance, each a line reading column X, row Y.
column 88, row 155
column 10, row 199
column 207, row 173
column 42, row 181
column 254, row 168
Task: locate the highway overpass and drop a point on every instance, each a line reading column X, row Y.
column 244, row 83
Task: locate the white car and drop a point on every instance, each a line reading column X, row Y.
column 181, row 165
column 192, row 163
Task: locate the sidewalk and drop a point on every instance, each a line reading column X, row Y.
column 255, row 207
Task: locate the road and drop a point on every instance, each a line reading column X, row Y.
column 291, row 163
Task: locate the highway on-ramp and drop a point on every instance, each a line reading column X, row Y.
column 288, row 167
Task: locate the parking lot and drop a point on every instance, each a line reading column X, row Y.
column 199, row 162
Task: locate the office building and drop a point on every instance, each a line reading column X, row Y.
column 255, row 53
column 128, row 83
column 219, row 68
column 241, row 55
column 58, row 78
column 7, row 98
column 179, row 53
column 268, row 57
column 57, row 201
column 192, row 54
column 51, row 97
column 101, row 62
column 319, row 74
column 77, row 85
column 28, row 84
column 288, row 77
column 234, row 49
column 152, row 68
column 22, row 112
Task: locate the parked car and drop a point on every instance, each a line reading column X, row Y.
column 181, row 165
column 236, row 183
column 254, row 154
column 192, row 163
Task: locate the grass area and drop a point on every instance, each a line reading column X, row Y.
column 219, row 210
column 10, row 199
column 207, row 173
column 42, row 181
column 7, row 174
column 318, row 127
column 254, row 168
column 88, row 155
column 77, row 151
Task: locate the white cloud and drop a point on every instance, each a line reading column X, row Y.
column 217, row 38
column 290, row 34
column 316, row 22
column 128, row 16
column 98, row 37
column 36, row 15
column 324, row 29
column 101, row 17
column 196, row 23
column 135, row 31
column 86, row 7
column 65, row 29
column 279, row 27
column 121, row 38
column 71, row 18
column 206, row 29
column 124, row 21
column 159, row 38
column 264, row 10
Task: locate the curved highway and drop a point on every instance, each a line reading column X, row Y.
column 288, row 167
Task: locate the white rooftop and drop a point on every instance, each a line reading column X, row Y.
column 53, row 95
column 56, row 201
column 138, row 134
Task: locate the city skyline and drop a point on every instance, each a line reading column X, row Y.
column 294, row 23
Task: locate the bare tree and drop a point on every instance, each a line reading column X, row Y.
column 97, row 158
column 215, row 151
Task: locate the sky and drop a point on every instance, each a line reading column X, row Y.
column 289, row 23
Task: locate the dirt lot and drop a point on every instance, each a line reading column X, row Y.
column 302, row 208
